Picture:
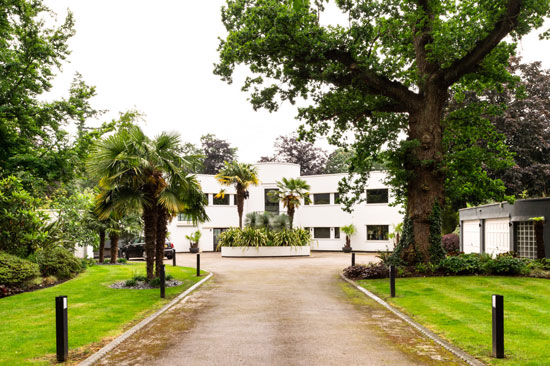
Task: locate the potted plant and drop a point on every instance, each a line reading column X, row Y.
column 194, row 241
column 349, row 230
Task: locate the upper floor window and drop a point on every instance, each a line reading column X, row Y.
column 336, row 233
column 377, row 232
column 221, row 200
column 184, row 217
column 377, row 195
column 321, row 198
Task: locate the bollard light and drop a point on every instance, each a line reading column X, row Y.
column 174, row 257
column 498, row 326
column 61, row 328
column 352, row 259
column 162, row 282
column 198, row 265
column 392, row 280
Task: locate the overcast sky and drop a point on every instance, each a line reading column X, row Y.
column 157, row 57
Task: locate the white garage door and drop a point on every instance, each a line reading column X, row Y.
column 497, row 236
column 470, row 238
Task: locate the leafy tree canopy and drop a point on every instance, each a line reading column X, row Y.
column 289, row 149
column 216, row 152
column 389, row 71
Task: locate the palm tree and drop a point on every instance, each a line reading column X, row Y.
column 349, row 230
column 241, row 176
column 291, row 192
column 137, row 173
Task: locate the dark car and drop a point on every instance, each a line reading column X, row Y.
column 136, row 249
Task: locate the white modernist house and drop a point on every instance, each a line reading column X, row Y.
column 373, row 220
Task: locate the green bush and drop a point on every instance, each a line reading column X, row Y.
column 505, row 264
column 254, row 237
column 16, row 272
column 130, row 283
column 58, row 262
column 140, row 278
column 122, row 260
column 155, row 282
column 463, row 264
column 169, row 277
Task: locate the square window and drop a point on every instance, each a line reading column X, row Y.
column 336, row 198
column 321, row 198
column 377, row 232
column 271, row 203
column 336, row 233
column 321, row 233
column 377, row 195
column 184, row 217
column 221, row 201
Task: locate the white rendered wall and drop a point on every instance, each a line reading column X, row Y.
column 330, row 215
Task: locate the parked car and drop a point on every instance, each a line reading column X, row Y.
column 136, row 249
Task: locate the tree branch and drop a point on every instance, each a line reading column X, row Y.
column 376, row 83
column 422, row 37
column 467, row 63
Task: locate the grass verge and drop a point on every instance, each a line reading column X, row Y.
column 96, row 313
column 459, row 309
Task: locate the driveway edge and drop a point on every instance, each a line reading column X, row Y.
column 469, row 359
column 121, row 338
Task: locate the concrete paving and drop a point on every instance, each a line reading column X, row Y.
column 278, row 311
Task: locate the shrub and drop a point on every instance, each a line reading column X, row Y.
column 130, row 283
column 363, row 272
column 122, row 260
column 106, row 261
column 15, row 271
column 155, row 282
column 254, row 237
column 58, row 262
column 505, row 265
column 463, row 264
column 451, row 243
column 169, row 277
column 140, row 278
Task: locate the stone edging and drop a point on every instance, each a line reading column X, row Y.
column 121, row 338
column 470, row 360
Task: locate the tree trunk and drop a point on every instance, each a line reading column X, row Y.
column 240, row 204
column 114, row 247
column 101, row 245
column 149, row 221
column 425, row 162
column 162, row 218
column 290, row 211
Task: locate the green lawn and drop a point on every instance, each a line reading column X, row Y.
column 27, row 321
column 459, row 309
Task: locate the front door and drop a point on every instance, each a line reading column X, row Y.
column 217, row 232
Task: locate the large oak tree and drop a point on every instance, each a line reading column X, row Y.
column 389, row 70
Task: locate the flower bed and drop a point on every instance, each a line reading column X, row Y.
column 296, row 251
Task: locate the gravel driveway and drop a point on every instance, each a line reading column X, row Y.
column 278, row 311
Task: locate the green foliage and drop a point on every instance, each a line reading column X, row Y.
column 15, row 271
column 339, row 161
column 140, row 278
column 435, row 249
column 155, row 282
column 463, row 264
column 349, row 230
column 258, row 237
column 405, row 252
column 169, row 277
column 130, row 283
column 194, row 237
column 505, row 264
column 122, row 260
column 58, row 262
column 215, row 153
column 21, row 222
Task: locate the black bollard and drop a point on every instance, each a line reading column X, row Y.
column 162, row 282
column 352, row 259
column 392, row 280
column 174, row 257
column 498, row 326
column 198, row 265
column 61, row 328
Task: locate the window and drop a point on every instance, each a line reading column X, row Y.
column 377, row 195
column 336, row 198
column 271, row 204
column 222, row 201
column 336, row 233
column 234, row 199
column 321, row 198
column 321, row 232
column 526, row 241
column 184, row 217
column 377, row 232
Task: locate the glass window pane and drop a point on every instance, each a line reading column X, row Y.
column 336, row 198
column 184, row 217
column 222, row 201
column 377, row 195
column 336, row 233
column 321, row 233
column 377, row 232
column 321, row 198
column 271, row 203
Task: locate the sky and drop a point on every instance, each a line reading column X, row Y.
column 157, row 57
